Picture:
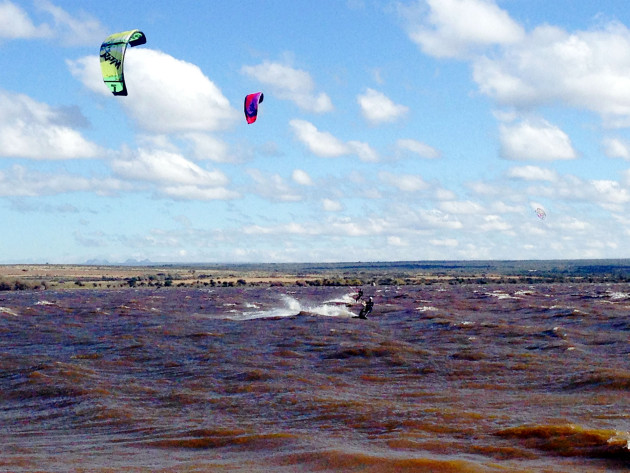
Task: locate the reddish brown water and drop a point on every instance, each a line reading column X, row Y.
column 439, row 379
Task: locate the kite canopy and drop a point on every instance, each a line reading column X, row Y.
column 541, row 213
column 251, row 106
column 113, row 56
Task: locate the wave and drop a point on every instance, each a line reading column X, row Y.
column 218, row 438
column 7, row 311
column 292, row 307
column 570, row 440
column 607, row 379
column 339, row 460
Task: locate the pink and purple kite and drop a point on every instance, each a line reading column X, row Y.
column 251, row 106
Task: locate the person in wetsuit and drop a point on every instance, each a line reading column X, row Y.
column 367, row 308
column 359, row 295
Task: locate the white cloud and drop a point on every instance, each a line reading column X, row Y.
column 330, row 205
column 291, row 84
column 464, row 208
column 21, row 181
column 15, row 23
column 532, row 173
column 585, row 69
column 571, row 224
column 616, row 148
column 447, row 242
column 326, row 145
column 539, row 141
column 166, row 95
column 453, row 28
column 161, row 166
column 301, row 177
column 418, row 148
column 320, row 143
column 211, row 148
column 34, row 130
column 172, row 175
column 404, row 182
column 377, row 108
column 273, row 187
column 436, row 219
column 494, row 223
column 364, row 151
column 194, row 192
column 70, row 30
column 608, row 194
column 66, row 29
column 396, row 241
column 610, row 191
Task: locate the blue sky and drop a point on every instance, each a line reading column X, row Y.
column 390, row 130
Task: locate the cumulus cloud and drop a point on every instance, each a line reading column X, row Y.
column 66, row 29
column 35, row 130
column 494, row 223
column 206, row 146
column 584, row 69
column 463, row 208
column 377, row 108
column 417, row 148
column 326, row 145
column 363, row 150
column 288, row 83
column 404, row 182
column 616, row 148
column 195, row 192
column 172, row 175
column 301, row 177
column 330, row 205
column 539, row 141
column 272, row 187
column 166, row 95
column 532, row 173
column 165, row 167
column 396, row 241
column 22, row 181
column 82, row 29
column 15, row 23
column 605, row 193
column 454, row 28
column 447, row 242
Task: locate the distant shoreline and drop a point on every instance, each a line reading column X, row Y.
column 67, row 276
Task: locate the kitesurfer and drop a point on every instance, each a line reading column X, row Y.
column 359, row 295
column 367, row 308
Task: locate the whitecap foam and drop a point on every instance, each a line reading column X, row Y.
column 293, row 307
column 524, row 292
column 44, row 302
column 616, row 296
column 500, row 295
column 6, row 310
column 426, row 308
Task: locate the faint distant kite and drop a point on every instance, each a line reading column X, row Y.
column 541, row 213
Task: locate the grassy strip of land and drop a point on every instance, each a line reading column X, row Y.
column 46, row 276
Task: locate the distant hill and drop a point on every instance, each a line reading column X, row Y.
column 128, row 262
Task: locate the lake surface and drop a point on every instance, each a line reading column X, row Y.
column 440, row 378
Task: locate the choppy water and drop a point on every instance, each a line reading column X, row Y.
column 439, row 379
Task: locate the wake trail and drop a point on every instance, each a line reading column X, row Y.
column 292, row 307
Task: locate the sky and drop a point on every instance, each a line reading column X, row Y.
column 390, row 130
